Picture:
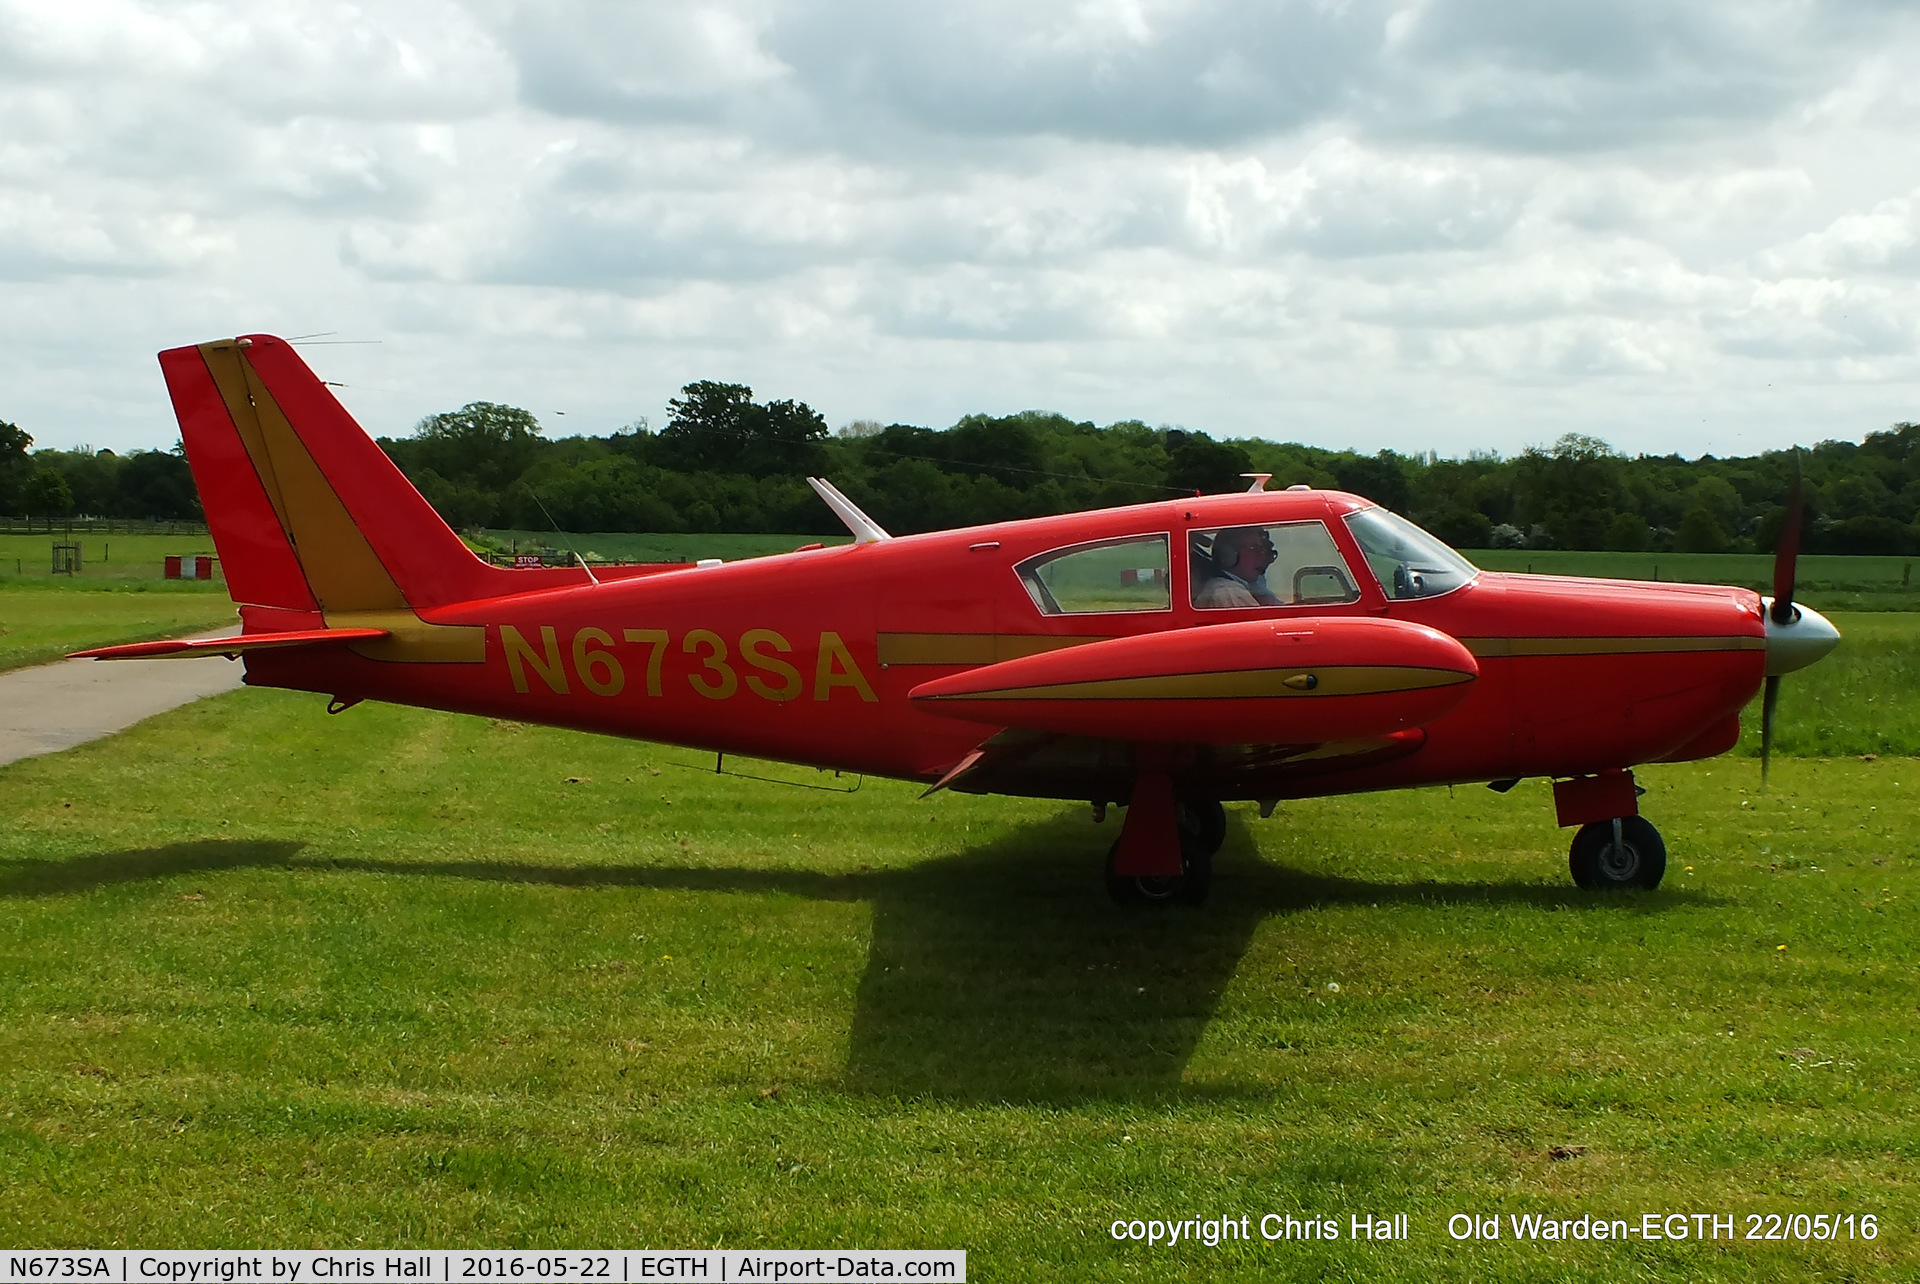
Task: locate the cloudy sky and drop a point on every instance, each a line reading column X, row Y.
column 1447, row 225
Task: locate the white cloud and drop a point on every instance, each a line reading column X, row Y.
column 1434, row 223
column 1885, row 239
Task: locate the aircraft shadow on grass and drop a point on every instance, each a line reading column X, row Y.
column 1000, row 973
column 31, row 878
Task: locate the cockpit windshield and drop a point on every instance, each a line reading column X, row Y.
column 1407, row 561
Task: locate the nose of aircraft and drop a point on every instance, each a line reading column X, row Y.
column 1806, row 637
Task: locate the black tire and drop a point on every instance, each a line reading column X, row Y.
column 1639, row 860
column 1189, row 888
column 1202, row 825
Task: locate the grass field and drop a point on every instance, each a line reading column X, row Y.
column 1825, row 582
column 41, row 622
column 124, row 560
column 121, row 594
column 1864, row 698
column 270, row 978
column 624, row 546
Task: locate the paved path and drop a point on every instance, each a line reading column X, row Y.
column 56, row 706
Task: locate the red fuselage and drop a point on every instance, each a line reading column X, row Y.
column 810, row 657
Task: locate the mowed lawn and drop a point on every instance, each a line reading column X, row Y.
column 273, row 978
column 1826, row 581
column 39, row 623
column 628, row 546
column 1864, row 698
column 119, row 595
column 104, row 556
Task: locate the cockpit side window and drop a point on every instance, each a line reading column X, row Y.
column 1101, row 577
column 1291, row 564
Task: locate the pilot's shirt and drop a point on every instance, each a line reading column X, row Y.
column 1230, row 590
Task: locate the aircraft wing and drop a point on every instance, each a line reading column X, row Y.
column 1298, row 682
column 1042, row 764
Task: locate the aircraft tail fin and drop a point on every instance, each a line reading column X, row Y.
column 308, row 514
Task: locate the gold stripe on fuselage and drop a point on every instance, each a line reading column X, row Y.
column 970, row 648
column 1237, row 684
column 1484, row 648
column 991, row 648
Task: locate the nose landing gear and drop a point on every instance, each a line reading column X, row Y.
column 1616, row 847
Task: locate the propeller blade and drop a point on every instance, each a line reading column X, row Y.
column 1786, row 560
column 1767, row 704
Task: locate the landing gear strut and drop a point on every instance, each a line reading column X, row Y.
column 1199, row 828
column 1611, row 855
column 1616, row 847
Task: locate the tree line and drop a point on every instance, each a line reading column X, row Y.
column 726, row 462
column 51, row 484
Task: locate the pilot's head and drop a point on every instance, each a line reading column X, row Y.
column 1245, row 551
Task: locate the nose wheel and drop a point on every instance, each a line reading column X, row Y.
column 1612, row 855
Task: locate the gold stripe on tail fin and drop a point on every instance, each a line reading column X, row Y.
column 341, row 567
column 346, row 575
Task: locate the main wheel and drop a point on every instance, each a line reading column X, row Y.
column 1189, row 888
column 1638, row 859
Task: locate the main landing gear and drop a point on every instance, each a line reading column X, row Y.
column 1164, row 855
column 1616, row 848
column 1200, row 828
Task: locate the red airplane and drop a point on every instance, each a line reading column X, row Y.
column 1168, row 657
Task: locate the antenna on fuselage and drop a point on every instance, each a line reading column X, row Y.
column 865, row 529
column 591, row 577
column 1260, row 481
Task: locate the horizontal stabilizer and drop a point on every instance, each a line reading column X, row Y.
column 238, row 644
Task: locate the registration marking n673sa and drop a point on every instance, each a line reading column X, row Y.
column 597, row 664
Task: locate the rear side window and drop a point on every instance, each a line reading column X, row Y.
column 1098, row 578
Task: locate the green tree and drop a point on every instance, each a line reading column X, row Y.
column 15, row 466
column 93, row 478
column 157, row 483
column 1700, row 533
column 1628, row 533
column 1573, row 489
column 1719, row 497
column 718, row 427
column 483, row 443
column 1196, row 461
column 1008, row 449
column 46, row 495
column 1462, row 528
column 461, row 505
column 1379, row 478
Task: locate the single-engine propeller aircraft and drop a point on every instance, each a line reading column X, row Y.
column 1167, row 656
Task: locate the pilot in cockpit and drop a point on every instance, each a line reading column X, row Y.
column 1234, row 569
